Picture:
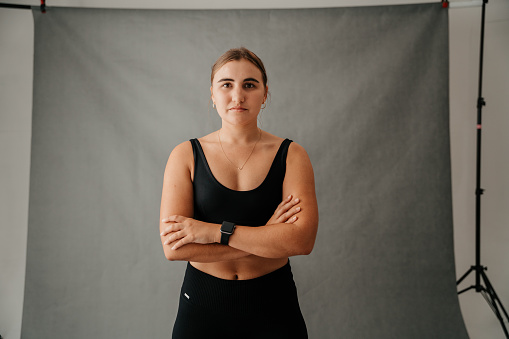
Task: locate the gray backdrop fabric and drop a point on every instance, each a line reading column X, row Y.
column 364, row 90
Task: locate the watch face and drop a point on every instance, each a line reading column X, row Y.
column 227, row 227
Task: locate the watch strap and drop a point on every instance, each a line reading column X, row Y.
column 227, row 229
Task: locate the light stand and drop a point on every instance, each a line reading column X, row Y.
column 487, row 290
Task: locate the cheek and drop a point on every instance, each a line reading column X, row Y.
column 220, row 97
column 222, row 102
column 260, row 97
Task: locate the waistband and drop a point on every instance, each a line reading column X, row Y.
column 268, row 293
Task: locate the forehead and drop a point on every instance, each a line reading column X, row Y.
column 238, row 70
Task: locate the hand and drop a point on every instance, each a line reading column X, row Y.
column 285, row 212
column 188, row 230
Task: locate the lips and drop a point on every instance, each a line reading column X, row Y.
column 238, row 109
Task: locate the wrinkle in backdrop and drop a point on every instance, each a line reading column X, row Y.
column 364, row 90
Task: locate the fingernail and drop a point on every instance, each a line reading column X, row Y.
column 297, row 200
column 161, row 234
column 297, row 209
column 289, row 196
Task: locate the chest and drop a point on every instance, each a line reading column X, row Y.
column 248, row 197
column 224, row 166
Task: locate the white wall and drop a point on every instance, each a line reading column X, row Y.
column 16, row 57
column 16, row 68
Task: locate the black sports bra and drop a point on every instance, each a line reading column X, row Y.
column 215, row 203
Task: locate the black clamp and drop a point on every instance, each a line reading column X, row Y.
column 481, row 102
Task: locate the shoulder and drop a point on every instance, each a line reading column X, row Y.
column 209, row 138
column 297, row 153
column 270, row 142
column 181, row 157
column 296, row 149
column 298, row 164
column 299, row 178
column 182, row 151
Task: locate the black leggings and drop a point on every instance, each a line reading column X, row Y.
column 262, row 308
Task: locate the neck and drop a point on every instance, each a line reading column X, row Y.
column 240, row 134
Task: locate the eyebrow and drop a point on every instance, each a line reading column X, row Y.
column 247, row 79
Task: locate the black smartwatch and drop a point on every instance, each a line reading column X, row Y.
column 227, row 229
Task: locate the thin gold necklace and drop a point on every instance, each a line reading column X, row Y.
column 231, row 162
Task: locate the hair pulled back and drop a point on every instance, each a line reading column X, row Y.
column 236, row 54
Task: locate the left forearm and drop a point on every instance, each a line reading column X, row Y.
column 278, row 240
column 274, row 241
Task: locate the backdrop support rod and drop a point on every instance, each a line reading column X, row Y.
column 20, row 6
column 487, row 290
column 461, row 4
column 456, row 4
column 4, row 5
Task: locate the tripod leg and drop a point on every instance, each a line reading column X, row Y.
column 465, row 275
column 490, row 288
column 466, row 289
column 493, row 301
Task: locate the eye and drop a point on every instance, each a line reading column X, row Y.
column 226, row 85
column 249, row 85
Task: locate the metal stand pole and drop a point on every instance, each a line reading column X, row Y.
column 487, row 290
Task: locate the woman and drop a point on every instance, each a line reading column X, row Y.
column 222, row 210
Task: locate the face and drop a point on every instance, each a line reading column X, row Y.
column 237, row 91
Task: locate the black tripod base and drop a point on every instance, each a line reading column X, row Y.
column 489, row 294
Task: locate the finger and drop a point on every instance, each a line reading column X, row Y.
column 288, row 198
column 277, row 214
column 290, row 204
column 174, row 237
column 293, row 211
column 177, row 245
column 285, row 206
column 174, row 218
column 291, row 220
column 290, row 213
column 182, row 242
column 172, row 228
column 166, row 231
column 281, row 207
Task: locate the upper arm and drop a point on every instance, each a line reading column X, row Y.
column 177, row 199
column 299, row 181
column 177, row 194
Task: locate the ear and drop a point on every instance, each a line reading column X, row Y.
column 211, row 94
column 266, row 92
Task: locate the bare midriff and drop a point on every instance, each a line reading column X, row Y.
column 245, row 268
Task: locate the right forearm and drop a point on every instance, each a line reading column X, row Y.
column 203, row 253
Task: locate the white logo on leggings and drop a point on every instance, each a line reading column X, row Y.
column 186, row 295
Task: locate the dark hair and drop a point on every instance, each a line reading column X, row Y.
column 236, row 54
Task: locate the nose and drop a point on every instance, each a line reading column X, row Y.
column 238, row 95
